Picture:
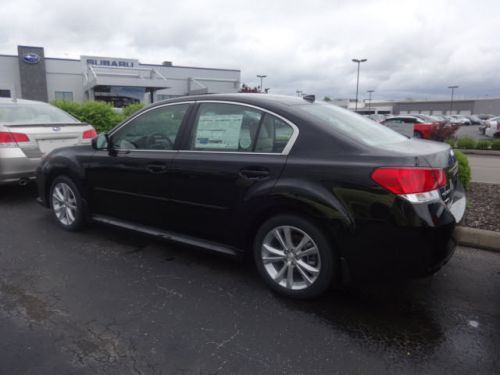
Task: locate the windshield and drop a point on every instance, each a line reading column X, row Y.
column 353, row 125
column 33, row 113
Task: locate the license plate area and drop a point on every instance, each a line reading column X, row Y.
column 47, row 145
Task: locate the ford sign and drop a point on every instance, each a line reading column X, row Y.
column 31, row 58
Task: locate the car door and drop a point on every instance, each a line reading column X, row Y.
column 232, row 152
column 130, row 181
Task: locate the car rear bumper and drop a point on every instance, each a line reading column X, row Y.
column 384, row 250
column 15, row 166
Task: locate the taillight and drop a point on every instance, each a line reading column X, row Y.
column 8, row 137
column 414, row 184
column 89, row 134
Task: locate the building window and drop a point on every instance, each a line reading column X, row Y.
column 4, row 93
column 64, row 95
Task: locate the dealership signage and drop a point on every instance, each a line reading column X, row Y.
column 31, row 58
column 111, row 62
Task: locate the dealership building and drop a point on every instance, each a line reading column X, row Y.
column 120, row 81
column 427, row 107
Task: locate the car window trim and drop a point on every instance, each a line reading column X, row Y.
column 286, row 149
column 183, row 124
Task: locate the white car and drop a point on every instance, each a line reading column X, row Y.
column 492, row 128
column 30, row 129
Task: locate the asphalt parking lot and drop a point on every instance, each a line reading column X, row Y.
column 104, row 301
column 470, row 131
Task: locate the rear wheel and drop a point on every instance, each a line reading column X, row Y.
column 294, row 257
column 417, row 135
column 66, row 203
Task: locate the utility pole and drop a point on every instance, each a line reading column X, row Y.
column 261, row 76
column 370, row 92
column 451, row 101
column 357, row 61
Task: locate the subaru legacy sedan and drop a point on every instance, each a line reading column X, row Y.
column 30, row 129
column 316, row 194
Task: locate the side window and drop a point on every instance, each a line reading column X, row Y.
column 153, row 130
column 225, row 127
column 274, row 135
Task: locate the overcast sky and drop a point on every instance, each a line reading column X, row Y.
column 414, row 48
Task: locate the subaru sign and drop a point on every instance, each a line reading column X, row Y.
column 31, row 58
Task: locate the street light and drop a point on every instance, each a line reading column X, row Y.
column 261, row 76
column 370, row 99
column 357, row 61
column 451, row 101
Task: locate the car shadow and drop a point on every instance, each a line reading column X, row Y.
column 16, row 193
column 397, row 318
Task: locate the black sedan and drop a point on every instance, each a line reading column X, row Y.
column 318, row 195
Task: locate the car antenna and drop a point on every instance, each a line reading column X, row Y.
column 309, row 98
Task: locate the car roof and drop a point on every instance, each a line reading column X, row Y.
column 256, row 99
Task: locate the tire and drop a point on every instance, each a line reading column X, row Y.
column 66, row 204
column 417, row 135
column 311, row 274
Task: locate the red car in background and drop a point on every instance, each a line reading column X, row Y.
column 423, row 126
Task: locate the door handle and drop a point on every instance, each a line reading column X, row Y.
column 254, row 173
column 156, row 168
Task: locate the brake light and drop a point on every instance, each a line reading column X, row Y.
column 89, row 134
column 8, row 137
column 411, row 182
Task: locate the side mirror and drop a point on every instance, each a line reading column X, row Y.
column 100, row 142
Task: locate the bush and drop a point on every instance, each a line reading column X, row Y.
column 467, row 143
column 131, row 109
column 98, row 114
column 463, row 169
column 483, row 144
column 441, row 131
column 451, row 141
column 495, row 145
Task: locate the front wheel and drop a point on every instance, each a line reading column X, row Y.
column 294, row 257
column 66, row 204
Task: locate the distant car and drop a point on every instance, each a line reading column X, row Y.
column 376, row 117
column 422, row 128
column 30, row 129
column 492, row 127
column 475, row 120
column 316, row 193
column 460, row 120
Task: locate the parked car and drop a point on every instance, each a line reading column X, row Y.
column 421, row 128
column 317, row 194
column 30, row 129
column 460, row 120
column 492, row 127
column 475, row 120
column 376, row 117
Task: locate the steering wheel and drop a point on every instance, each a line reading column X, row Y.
column 155, row 137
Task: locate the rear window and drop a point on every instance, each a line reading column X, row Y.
column 38, row 113
column 352, row 125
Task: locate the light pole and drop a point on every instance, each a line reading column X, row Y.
column 357, row 61
column 451, row 101
column 370, row 92
column 261, row 76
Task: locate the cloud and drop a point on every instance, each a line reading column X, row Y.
column 414, row 48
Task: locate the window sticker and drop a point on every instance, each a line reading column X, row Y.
column 218, row 131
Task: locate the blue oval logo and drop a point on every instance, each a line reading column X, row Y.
column 31, row 58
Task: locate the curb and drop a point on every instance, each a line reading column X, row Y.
column 478, row 238
column 480, row 152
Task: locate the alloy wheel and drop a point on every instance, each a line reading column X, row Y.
column 64, row 203
column 290, row 257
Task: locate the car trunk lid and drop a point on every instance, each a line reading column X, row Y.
column 44, row 138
